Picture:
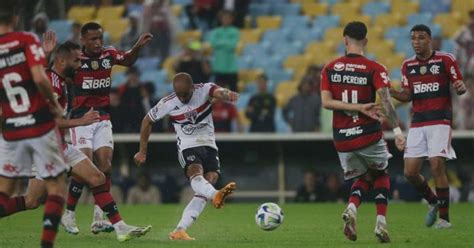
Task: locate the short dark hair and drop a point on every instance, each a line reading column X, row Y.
column 355, row 30
column 90, row 26
column 8, row 10
column 66, row 48
column 421, row 28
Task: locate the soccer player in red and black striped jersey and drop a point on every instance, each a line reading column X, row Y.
column 91, row 88
column 427, row 80
column 29, row 132
column 349, row 85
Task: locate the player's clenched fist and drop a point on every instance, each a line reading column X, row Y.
column 139, row 158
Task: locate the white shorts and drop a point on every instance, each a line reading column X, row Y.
column 93, row 136
column 356, row 163
column 72, row 156
column 17, row 157
column 430, row 141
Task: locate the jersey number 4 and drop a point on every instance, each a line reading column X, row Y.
column 354, row 100
column 17, row 95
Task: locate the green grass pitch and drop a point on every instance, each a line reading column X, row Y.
column 305, row 225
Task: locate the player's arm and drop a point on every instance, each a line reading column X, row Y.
column 404, row 95
column 49, row 43
column 88, row 118
column 369, row 109
column 391, row 116
column 145, row 131
column 224, row 94
column 131, row 55
column 459, row 87
column 44, row 87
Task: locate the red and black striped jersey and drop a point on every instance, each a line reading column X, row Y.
column 26, row 113
column 429, row 82
column 354, row 79
column 92, row 82
column 59, row 87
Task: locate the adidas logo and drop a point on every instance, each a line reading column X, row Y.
column 47, row 222
column 85, row 66
column 357, row 192
column 412, row 71
column 380, row 196
column 443, row 151
column 176, row 108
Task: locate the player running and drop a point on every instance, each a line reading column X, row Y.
column 427, row 78
column 30, row 135
column 92, row 83
column 348, row 88
column 66, row 61
column 189, row 107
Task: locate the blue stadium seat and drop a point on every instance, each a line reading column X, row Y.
column 258, row 9
column 398, row 33
column 163, row 89
column 403, row 46
column 326, row 22
column 306, row 35
column 133, row 7
column 243, row 100
column 341, row 48
column 183, row 2
column 156, row 76
column 421, row 18
column 286, row 48
column 251, row 88
column 276, row 35
column 147, row 63
column 448, row 46
column 118, row 79
column 62, row 29
column 435, row 6
column 330, row 2
column 395, row 74
column 295, row 21
column 436, row 30
column 266, row 62
column 286, row 9
column 279, row 75
column 375, row 8
column 245, row 62
column 257, row 50
column 281, row 125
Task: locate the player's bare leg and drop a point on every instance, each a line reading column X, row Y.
column 412, row 173
column 53, row 208
column 438, row 170
column 7, row 186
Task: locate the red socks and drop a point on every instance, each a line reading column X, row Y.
column 359, row 188
column 52, row 216
column 382, row 190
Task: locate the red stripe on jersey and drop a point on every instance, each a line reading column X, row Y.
column 31, row 132
column 199, row 110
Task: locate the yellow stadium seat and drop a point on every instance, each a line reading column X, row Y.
column 450, row 23
column 284, row 91
column 344, row 8
column 250, row 35
column 349, row 17
column 303, row 1
column 250, row 75
column 119, row 69
column 81, row 13
column 299, row 74
column 381, row 47
column 176, row 9
column 389, row 20
column 188, row 36
column 168, row 66
column 316, row 47
column 115, row 28
column 393, row 61
column 313, row 9
column 296, row 61
column 334, row 34
column 323, row 58
column 360, row 2
column 110, row 12
column 375, row 33
column 405, row 7
column 462, row 6
column 268, row 22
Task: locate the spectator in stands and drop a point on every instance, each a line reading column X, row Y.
column 157, row 21
column 129, row 37
column 312, row 189
column 313, row 72
column 144, row 192
column 75, row 35
column 466, row 104
column 202, row 11
column 333, row 191
column 226, row 117
column 117, row 115
column 39, row 25
column 224, row 61
column 261, row 108
column 192, row 61
column 302, row 112
column 131, row 101
column 465, row 48
column 240, row 8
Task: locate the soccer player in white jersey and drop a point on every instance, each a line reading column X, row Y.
column 190, row 109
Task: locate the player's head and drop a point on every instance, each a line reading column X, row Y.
column 183, row 86
column 9, row 13
column 92, row 38
column 421, row 39
column 226, row 17
column 67, row 58
column 355, row 34
column 262, row 81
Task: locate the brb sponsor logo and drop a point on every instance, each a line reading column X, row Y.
column 90, row 83
column 423, row 88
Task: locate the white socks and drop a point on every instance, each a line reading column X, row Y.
column 381, row 219
column 202, row 187
column 98, row 213
column 352, row 207
column 191, row 212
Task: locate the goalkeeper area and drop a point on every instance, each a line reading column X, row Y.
column 306, row 225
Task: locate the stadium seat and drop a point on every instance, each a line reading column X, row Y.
column 168, row 65
column 243, row 100
column 133, row 7
column 115, row 28
column 286, row 9
column 245, row 62
column 250, row 35
column 326, row 22
column 279, row 75
column 389, row 20
column 258, row 9
column 435, row 6
column 306, row 35
column 323, row 57
column 315, row 9
column 295, row 22
column 398, row 33
column 110, row 12
column 395, row 75
column 268, row 22
column 176, row 9
column 349, row 17
column 448, row 46
column 393, row 61
column 316, row 47
column 81, row 14
column 276, row 35
column 280, row 124
column 147, row 63
column 334, row 34
column 375, row 33
column 450, row 23
column 344, row 8
column 405, row 7
column 244, row 121
column 257, row 50
column 156, row 76
column 250, row 75
column 265, row 62
column 462, row 7
column 284, row 91
column 118, row 79
column 296, row 61
column 403, row 46
column 374, row 9
column 382, row 46
column 302, row 2
column 285, row 49
column 62, row 29
column 187, row 36
column 183, row 2
column 421, row 18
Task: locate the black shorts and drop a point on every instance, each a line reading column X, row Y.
column 206, row 156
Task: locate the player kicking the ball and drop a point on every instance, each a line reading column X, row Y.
column 348, row 87
column 66, row 61
column 189, row 107
column 427, row 78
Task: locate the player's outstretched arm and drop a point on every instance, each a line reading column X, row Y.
column 404, row 95
column 224, row 94
column 391, row 116
column 132, row 55
column 49, row 43
column 88, row 118
column 145, row 131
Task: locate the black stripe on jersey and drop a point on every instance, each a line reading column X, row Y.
column 434, row 115
column 415, row 70
column 79, row 112
column 199, row 119
column 344, row 134
column 443, row 91
column 367, row 75
column 78, row 91
column 41, row 116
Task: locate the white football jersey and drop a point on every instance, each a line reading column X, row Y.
column 192, row 121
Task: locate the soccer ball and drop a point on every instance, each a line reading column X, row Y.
column 269, row 216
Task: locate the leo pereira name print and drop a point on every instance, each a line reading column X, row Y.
column 192, row 121
column 354, row 79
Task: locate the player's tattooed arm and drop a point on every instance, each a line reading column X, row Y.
column 225, row 95
column 387, row 104
column 132, row 55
